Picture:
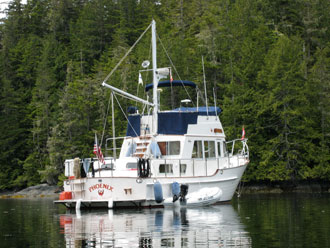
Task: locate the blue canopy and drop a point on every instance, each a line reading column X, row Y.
column 174, row 83
column 172, row 122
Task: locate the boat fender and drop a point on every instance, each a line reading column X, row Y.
column 184, row 191
column 175, row 191
column 158, row 192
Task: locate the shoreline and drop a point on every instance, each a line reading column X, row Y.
column 52, row 191
column 284, row 187
column 37, row 191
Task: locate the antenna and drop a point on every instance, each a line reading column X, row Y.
column 207, row 107
column 215, row 101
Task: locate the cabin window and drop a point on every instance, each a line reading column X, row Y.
column 173, row 147
column 209, row 149
column 169, row 148
column 107, row 166
column 131, row 166
column 222, row 149
column 183, row 168
column 165, row 168
column 197, row 149
column 220, row 152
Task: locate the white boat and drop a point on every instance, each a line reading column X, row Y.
column 185, row 147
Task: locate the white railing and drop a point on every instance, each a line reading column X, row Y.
column 164, row 167
column 240, row 149
column 117, row 147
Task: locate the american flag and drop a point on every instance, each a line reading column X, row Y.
column 98, row 152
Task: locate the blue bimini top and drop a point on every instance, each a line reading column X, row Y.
column 174, row 83
column 200, row 110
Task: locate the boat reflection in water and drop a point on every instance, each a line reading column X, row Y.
column 212, row 226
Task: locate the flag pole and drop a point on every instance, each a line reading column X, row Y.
column 113, row 128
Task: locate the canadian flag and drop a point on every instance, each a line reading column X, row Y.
column 243, row 133
column 171, row 78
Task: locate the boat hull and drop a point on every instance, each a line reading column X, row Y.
column 112, row 192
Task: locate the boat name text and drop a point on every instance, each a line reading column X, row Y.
column 100, row 186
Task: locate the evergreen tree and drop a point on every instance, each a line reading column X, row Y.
column 321, row 85
column 267, row 61
column 283, row 109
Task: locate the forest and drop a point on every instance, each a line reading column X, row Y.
column 268, row 62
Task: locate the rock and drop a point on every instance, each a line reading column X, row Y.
column 39, row 190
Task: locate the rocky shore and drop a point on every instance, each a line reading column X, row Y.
column 41, row 190
column 285, row 187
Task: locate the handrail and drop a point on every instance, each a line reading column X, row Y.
column 245, row 148
column 112, row 165
column 111, row 139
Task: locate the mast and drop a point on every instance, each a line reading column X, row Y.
column 155, row 78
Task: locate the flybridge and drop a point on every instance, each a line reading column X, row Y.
column 173, row 122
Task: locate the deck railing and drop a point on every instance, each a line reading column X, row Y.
column 237, row 149
column 112, row 149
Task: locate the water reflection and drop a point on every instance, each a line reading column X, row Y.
column 216, row 226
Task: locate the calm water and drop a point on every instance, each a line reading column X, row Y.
column 293, row 220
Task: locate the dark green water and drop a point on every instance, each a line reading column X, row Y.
column 260, row 220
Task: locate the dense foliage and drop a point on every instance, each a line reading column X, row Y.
column 268, row 61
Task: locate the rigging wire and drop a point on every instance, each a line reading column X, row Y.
column 124, row 113
column 137, row 91
column 168, row 56
column 110, row 74
column 128, row 52
column 105, row 120
column 207, row 106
